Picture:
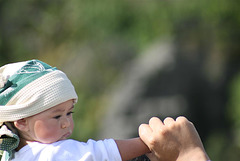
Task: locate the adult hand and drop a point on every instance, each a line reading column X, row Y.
column 172, row 140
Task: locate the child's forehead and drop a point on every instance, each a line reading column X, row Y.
column 63, row 106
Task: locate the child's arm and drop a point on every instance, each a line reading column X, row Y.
column 131, row 148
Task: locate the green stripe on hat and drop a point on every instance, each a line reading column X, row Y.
column 31, row 71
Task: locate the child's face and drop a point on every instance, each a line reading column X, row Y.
column 52, row 125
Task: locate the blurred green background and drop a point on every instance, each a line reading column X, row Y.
column 95, row 42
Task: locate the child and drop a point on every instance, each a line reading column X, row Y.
column 36, row 104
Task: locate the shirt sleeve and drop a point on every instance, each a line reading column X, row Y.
column 71, row 150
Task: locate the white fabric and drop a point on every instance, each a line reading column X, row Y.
column 4, row 156
column 70, row 150
column 10, row 69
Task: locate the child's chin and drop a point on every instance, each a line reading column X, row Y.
column 65, row 136
column 51, row 141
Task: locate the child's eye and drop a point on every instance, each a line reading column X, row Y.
column 57, row 117
column 69, row 113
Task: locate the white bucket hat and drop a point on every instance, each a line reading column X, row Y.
column 30, row 87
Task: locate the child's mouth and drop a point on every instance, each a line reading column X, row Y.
column 66, row 135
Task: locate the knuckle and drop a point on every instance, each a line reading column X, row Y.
column 165, row 131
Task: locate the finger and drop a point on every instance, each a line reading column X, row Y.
column 183, row 122
column 182, row 119
column 155, row 123
column 168, row 121
column 144, row 132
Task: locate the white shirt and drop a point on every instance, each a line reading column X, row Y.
column 70, row 150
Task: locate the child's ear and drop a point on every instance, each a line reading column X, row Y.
column 21, row 124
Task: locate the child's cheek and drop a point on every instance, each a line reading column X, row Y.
column 45, row 132
column 72, row 124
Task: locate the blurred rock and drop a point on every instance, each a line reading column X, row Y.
column 169, row 79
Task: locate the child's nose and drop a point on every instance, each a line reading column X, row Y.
column 65, row 123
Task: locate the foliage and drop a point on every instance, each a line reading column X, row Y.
column 103, row 37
